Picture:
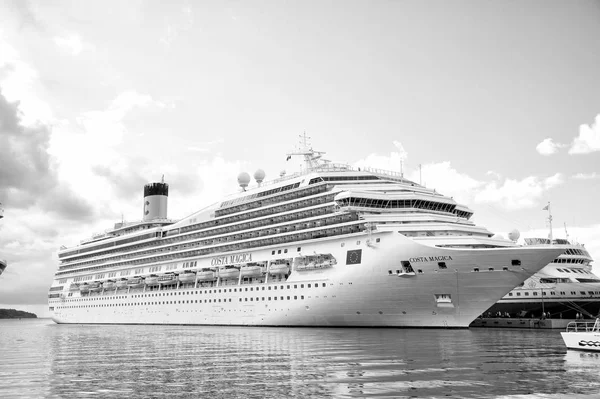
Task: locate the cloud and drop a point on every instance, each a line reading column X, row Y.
column 181, row 22
column 588, row 140
column 205, row 146
column 28, row 174
column 510, row 194
column 18, row 81
column 586, row 176
column 517, row 194
column 401, row 151
column 548, row 147
column 71, row 44
column 445, row 179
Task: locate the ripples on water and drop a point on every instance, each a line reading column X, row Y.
column 42, row 359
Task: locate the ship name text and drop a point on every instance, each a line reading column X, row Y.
column 231, row 259
column 430, row 258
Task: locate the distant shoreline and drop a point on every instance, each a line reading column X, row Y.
column 16, row 314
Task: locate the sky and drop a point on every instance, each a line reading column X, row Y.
column 496, row 104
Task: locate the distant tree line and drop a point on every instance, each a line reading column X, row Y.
column 15, row 314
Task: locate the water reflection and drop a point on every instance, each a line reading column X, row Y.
column 182, row 361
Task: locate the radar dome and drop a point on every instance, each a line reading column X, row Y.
column 498, row 236
column 243, row 179
column 259, row 176
column 514, row 235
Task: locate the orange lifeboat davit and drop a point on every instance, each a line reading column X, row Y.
column 187, row 277
column 251, row 271
column 208, row 275
column 279, row 269
column 229, row 273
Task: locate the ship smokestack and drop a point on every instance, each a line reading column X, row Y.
column 155, row 200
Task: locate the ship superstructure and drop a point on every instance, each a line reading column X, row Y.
column 329, row 246
column 564, row 288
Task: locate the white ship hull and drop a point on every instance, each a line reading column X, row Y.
column 345, row 295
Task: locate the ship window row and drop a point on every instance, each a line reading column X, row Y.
column 82, row 278
column 545, row 293
column 347, row 178
column 256, row 203
column 403, row 204
column 197, row 292
column 300, row 236
column 265, row 211
column 57, row 288
column 259, row 195
column 330, row 220
column 572, row 270
column 554, row 280
column 570, row 260
column 576, row 251
column 393, row 204
column 180, row 302
column 203, row 292
column 107, row 245
column 260, row 213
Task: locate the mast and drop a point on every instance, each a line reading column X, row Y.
column 312, row 158
column 547, row 208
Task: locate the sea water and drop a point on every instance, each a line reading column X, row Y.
column 41, row 359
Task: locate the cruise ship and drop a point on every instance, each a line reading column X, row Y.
column 331, row 245
column 563, row 289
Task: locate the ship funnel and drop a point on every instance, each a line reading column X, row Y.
column 155, row 200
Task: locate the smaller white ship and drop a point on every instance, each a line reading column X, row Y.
column 582, row 336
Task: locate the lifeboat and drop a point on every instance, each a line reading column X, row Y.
column 122, row 283
column 95, row 286
column 229, row 273
column 108, row 285
column 84, row 288
column 167, row 279
column 206, row 276
column 251, row 271
column 279, row 269
column 135, row 282
column 187, row 277
column 151, row 280
column 74, row 287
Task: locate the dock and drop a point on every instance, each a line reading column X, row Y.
column 514, row 322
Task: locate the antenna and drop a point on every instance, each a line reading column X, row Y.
column 566, row 232
column 312, row 158
column 420, row 174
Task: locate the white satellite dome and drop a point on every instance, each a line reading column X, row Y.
column 259, row 176
column 514, row 235
column 243, row 179
column 498, row 236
